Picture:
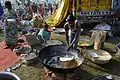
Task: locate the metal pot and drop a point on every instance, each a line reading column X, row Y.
column 50, row 57
column 8, row 76
column 105, row 77
column 117, row 50
column 99, row 56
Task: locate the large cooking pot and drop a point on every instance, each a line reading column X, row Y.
column 106, row 77
column 50, row 57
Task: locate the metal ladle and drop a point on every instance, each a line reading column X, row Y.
column 67, row 57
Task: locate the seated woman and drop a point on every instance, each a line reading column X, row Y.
column 44, row 34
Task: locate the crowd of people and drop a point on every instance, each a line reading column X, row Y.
column 15, row 19
column 34, row 15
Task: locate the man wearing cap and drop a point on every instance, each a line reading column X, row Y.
column 72, row 30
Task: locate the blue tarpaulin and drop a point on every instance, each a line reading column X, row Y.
column 1, row 10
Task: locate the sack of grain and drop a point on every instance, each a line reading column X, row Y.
column 97, row 41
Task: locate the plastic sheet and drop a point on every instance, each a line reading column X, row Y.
column 59, row 15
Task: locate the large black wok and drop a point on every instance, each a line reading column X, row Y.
column 50, row 55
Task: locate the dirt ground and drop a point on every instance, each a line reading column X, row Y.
column 86, row 71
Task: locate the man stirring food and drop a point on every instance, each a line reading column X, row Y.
column 72, row 30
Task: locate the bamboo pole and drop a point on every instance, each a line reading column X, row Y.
column 74, row 8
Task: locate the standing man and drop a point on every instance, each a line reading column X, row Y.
column 72, row 30
column 34, row 8
column 40, row 10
